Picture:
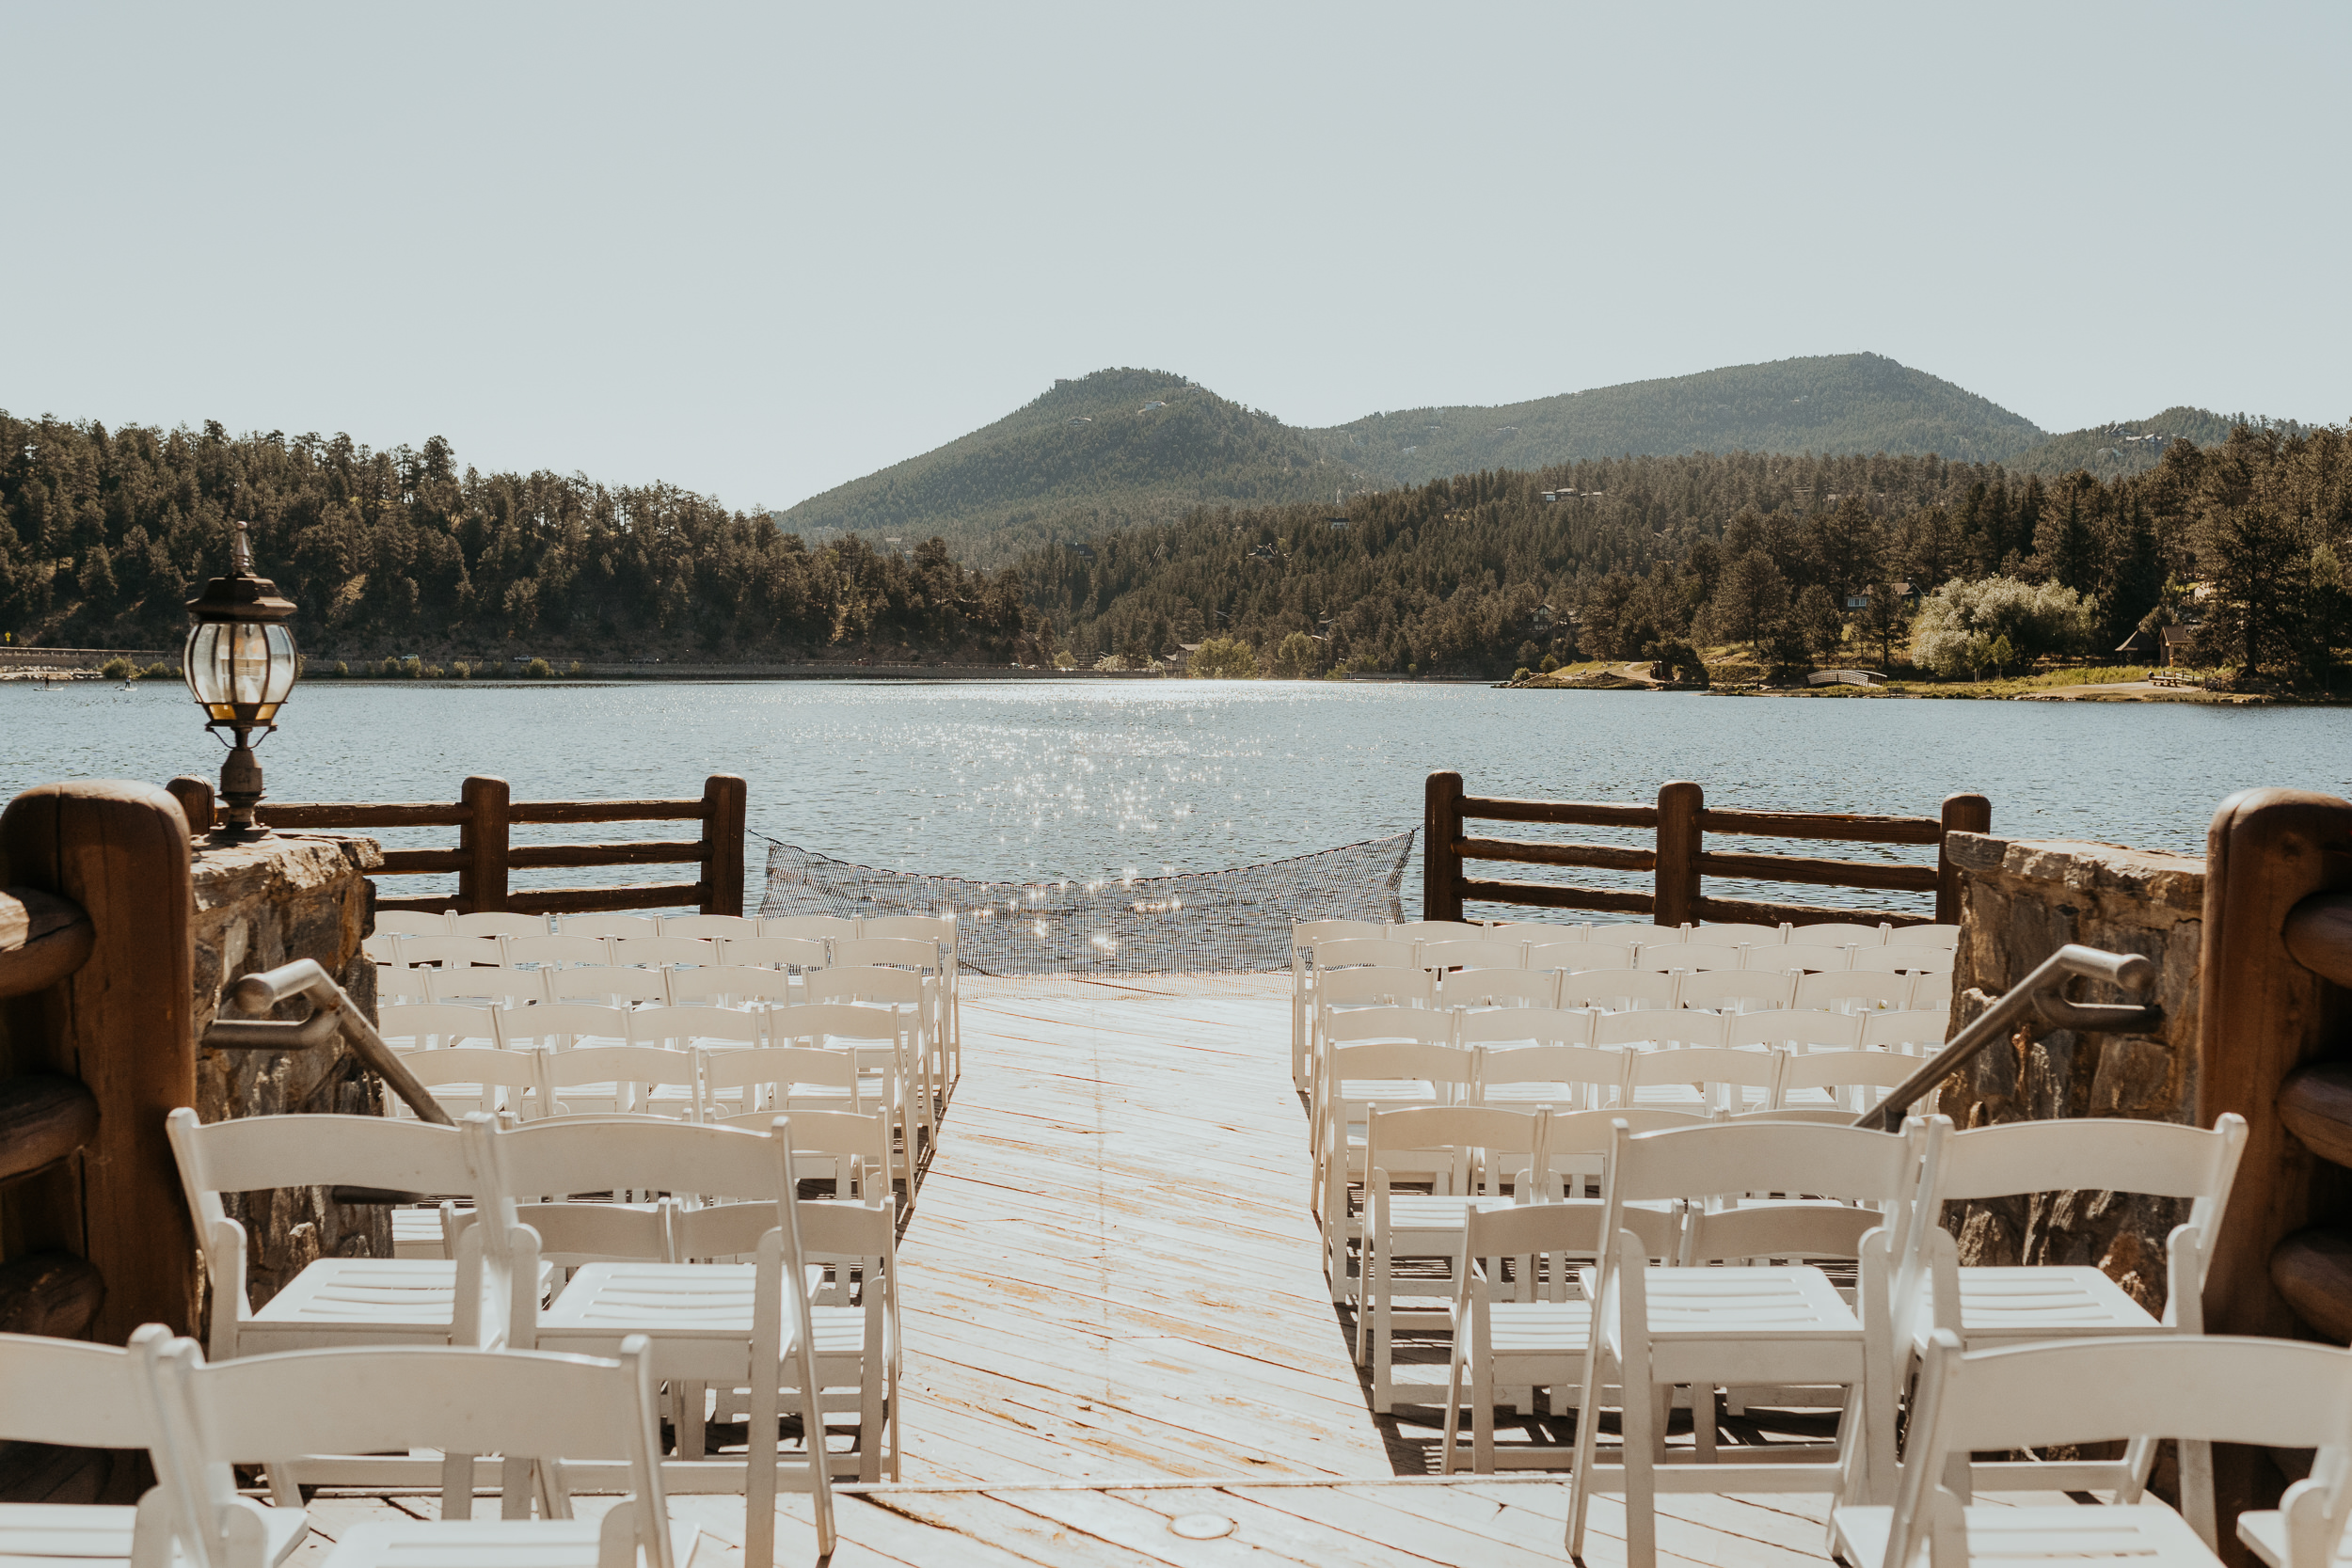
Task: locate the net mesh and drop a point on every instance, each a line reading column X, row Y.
column 1203, row 922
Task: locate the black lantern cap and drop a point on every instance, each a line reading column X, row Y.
column 241, row 597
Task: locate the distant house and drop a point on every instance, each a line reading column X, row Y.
column 2165, row 646
column 1149, row 406
column 1080, row 420
column 1337, row 523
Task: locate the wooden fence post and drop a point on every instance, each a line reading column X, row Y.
column 724, row 797
column 1441, row 863
column 1962, row 814
column 194, row 796
column 1676, row 900
column 125, row 1023
column 483, row 840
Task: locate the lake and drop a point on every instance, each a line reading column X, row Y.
column 1040, row 780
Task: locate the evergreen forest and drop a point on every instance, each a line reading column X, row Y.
column 105, row 534
column 1798, row 559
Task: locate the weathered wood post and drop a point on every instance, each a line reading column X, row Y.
column 1676, row 899
column 1440, row 862
column 2265, row 1015
column 123, row 1024
column 725, row 797
column 194, row 796
column 481, row 843
column 1962, row 814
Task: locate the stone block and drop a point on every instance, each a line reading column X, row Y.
column 258, row 906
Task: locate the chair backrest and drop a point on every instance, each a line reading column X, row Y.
column 559, row 952
column 564, row 1025
column 1735, row 1158
column 1929, row 991
column 1640, row 933
column 1379, row 952
column 1538, row 931
column 483, row 1069
column 1945, row 937
column 818, row 928
column 1441, row 1065
column 1617, row 989
column 609, row 925
column 923, row 928
column 820, row 1022
column 608, row 985
column 449, row 952
column 864, row 983
column 1907, row 959
column 1435, row 930
column 734, row 984
column 498, row 923
column 1491, row 988
column 1734, row 933
column 776, row 952
column 767, row 1075
column 1840, row 933
column 1577, row 956
column 664, row 952
column 1411, row 1025
column 682, row 1028
column 1576, row 1065
column 76, row 1395
column 414, row 922
column 1801, row 957
column 707, row 927
column 1858, row 1071
column 1464, row 953
column 2114, row 1154
column 1871, row 991
column 1658, row 1028
column 1685, row 957
column 594, row 1154
column 1311, row 933
column 424, row 1026
column 1488, row 1145
column 1722, row 1077
column 2220, row 1389
column 1570, row 1229
column 1735, row 991
column 568, row 1079
column 1917, row 1031
column 519, row 1404
column 890, row 952
column 482, row 988
column 1524, row 1025
column 1376, row 986
column 1797, row 1028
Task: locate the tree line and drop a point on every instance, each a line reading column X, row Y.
column 1797, row 559
column 104, row 535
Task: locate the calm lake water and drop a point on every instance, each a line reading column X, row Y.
column 1043, row 780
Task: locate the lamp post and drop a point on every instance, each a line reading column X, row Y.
column 240, row 667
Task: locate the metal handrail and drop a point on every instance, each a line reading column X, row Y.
column 2043, row 994
column 331, row 1014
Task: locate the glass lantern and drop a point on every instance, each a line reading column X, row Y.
column 240, row 666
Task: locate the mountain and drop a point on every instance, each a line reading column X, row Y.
column 1092, row 455
column 2135, row 446
column 1832, row 405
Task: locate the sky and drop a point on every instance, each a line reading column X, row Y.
column 758, row 251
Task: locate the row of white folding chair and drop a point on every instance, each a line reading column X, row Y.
column 1577, row 956
column 506, row 924
column 157, row 1394
column 1826, row 933
column 743, row 1188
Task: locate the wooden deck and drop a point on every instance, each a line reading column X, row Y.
column 1116, row 1316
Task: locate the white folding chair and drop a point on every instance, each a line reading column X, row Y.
column 1685, row 958
column 1903, row 959
column 563, row 1026
column 878, row 1042
column 1531, row 1331
column 1305, row 935
column 914, row 997
column 1574, row 957
column 1930, row 993
column 1944, row 937
column 766, row 952
column 83, row 1395
column 1542, row 931
column 1734, row 933
column 927, row 956
column 1390, row 1058
column 1994, row 1305
column 415, row 923
column 1847, row 1082
column 731, row 986
column 1848, row 991
column 1338, row 990
column 1912, row 1033
column 464, row 1078
column 1656, row 1329
column 1802, row 958
column 658, row 952
column 618, row 1080
column 1707, row 1079
column 1840, row 933
column 549, row 1410
column 444, row 950
column 429, row 1025
column 1466, row 953
column 1641, row 934
column 1551, row 1064
column 1618, row 990
column 554, row 952
column 1435, row 930
column 751, row 1088
column 2195, row 1389
column 1495, row 988
column 1469, row 1155
column 611, row 986
column 944, row 930
column 497, row 922
column 820, row 928
column 1735, row 991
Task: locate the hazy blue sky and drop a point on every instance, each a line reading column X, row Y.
column 761, row 250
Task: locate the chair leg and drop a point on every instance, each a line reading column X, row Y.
column 1453, row 1408
column 1644, row 1433
column 1482, row 1416
column 1587, row 1431
column 1702, row 1418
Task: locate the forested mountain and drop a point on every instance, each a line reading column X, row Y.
column 1637, row 558
column 2135, row 446
column 1123, row 446
column 103, row 534
column 1102, row 452
column 1831, row 404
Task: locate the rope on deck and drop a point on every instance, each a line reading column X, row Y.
column 1200, row 922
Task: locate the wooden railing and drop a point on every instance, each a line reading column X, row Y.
column 2275, row 1046
column 98, row 1033
column 1678, row 859
column 486, row 857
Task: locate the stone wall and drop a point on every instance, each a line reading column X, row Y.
column 2021, row 901
column 291, row 895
